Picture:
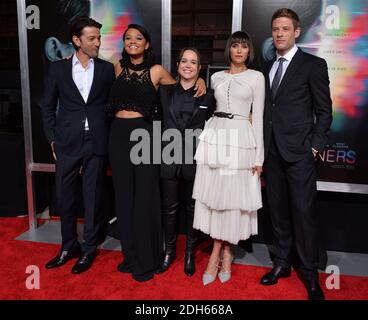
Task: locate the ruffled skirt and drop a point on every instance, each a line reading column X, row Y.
column 227, row 194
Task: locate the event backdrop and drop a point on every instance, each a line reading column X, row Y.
column 51, row 42
column 336, row 30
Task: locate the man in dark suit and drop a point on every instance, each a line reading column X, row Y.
column 297, row 119
column 76, row 126
column 184, row 116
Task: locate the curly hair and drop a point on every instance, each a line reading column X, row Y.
column 149, row 57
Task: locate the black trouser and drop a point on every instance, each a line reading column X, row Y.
column 137, row 199
column 93, row 173
column 291, row 193
column 171, row 196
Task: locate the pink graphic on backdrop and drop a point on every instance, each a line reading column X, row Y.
column 345, row 49
column 115, row 15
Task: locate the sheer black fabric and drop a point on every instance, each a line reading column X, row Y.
column 134, row 92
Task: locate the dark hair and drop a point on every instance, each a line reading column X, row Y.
column 72, row 9
column 76, row 29
column 240, row 37
column 286, row 13
column 191, row 49
column 149, row 57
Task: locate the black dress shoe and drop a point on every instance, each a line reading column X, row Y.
column 168, row 260
column 143, row 277
column 63, row 258
column 314, row 290
column 84, row 263
column 124, row 267
column 189, row 264
column 273, row 276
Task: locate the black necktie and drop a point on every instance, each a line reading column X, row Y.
column 277, row 78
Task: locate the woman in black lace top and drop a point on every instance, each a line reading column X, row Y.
column 136, row 175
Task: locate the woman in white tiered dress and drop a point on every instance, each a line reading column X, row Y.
column 229, row 158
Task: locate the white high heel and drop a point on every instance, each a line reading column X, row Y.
column 208, row 278
column 225, row 275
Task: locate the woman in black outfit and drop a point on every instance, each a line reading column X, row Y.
column 134, row 102
column 185, row 113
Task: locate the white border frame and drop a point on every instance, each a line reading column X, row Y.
column 27, row 119
column 166, row 34
column 342, row 187
column 237, row 15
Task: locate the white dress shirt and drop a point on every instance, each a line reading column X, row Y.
column 83, row 78
column 288, row 57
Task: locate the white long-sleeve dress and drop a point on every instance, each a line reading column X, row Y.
column 227, row 194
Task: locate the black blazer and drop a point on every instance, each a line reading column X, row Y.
column 64, row 109
column 301, row 113
column 204, row 107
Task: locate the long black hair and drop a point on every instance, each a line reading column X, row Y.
column 149, row 57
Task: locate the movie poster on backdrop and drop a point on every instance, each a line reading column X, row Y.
column 48, row 41
column 336, row 30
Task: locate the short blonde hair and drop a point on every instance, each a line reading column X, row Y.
column 287, row 13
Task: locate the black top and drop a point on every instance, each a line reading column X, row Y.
column 178, row 103
column 183, row 104
column 134, row 92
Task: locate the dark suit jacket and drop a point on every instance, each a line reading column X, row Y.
column 204, row 107
column 301, row 113
column 64, row 109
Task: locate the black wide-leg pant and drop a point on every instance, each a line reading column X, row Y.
column 137, row 197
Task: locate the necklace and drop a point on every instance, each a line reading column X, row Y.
column 136, row 67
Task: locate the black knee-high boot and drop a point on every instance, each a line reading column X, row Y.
column 169, row 207
column 169, row 222
column 192, row 235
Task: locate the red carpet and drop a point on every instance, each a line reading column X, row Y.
column 102, row 281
